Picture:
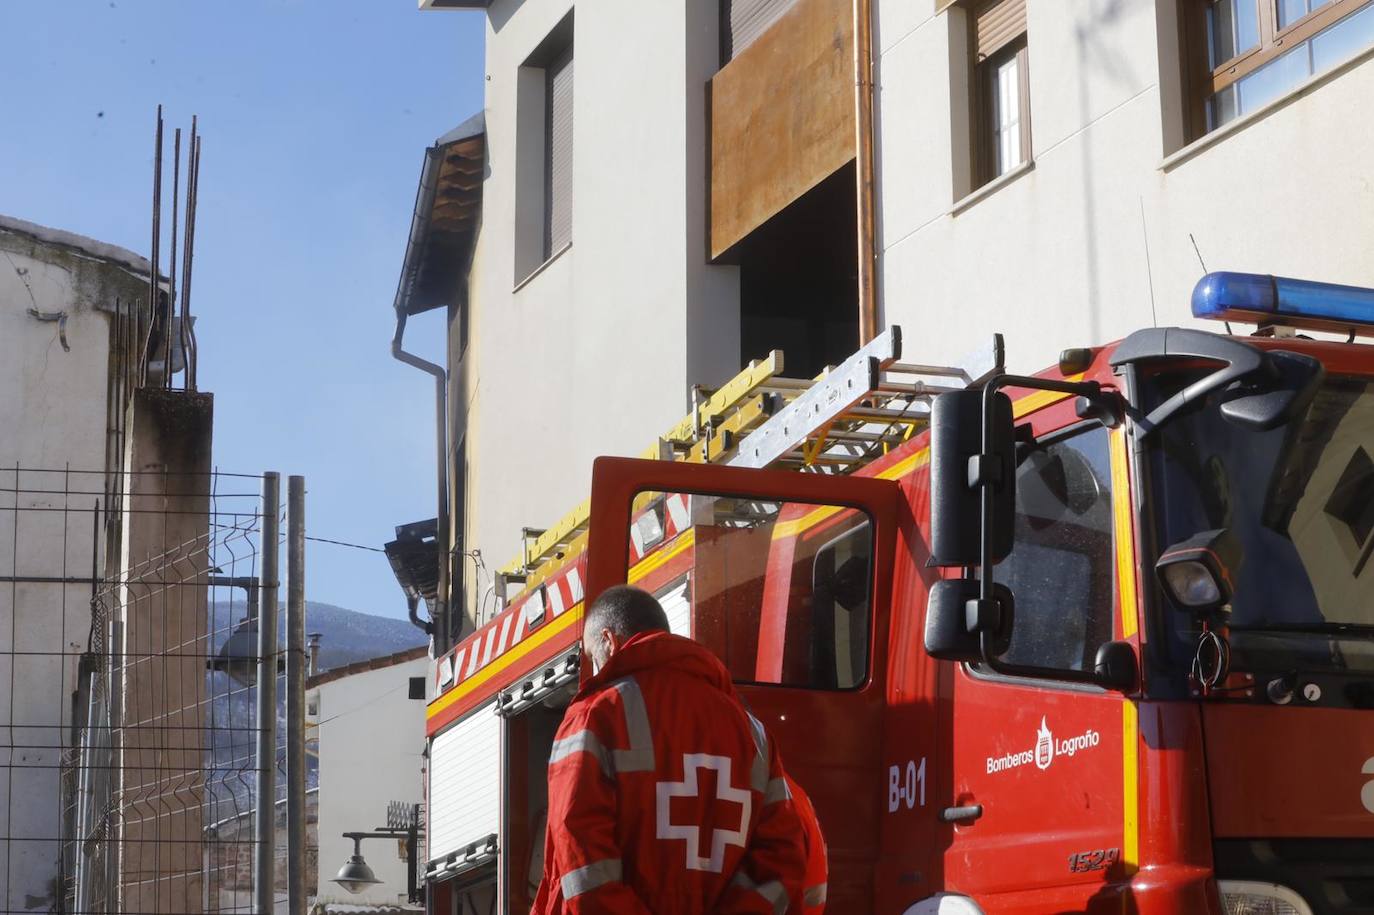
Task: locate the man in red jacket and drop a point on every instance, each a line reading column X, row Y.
column 665, row 795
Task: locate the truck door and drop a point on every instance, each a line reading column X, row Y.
column 790, row 586
column 1051, row 765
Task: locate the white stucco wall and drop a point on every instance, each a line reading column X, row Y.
column 1057, row 257
column 596, row 354
column 52, row 417
column 371, row 736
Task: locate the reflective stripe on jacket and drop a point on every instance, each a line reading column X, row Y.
column 666, row 796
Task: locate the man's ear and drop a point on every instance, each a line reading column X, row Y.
column 612, row 643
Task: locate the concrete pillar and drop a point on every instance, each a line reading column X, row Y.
column 167, row 539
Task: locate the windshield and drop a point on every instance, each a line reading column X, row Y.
column 1299, row 501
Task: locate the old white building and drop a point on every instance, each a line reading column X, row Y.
column 63, row 300
column 103, row 468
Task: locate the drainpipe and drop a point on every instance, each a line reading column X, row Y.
column 419, row 229
column 864, row 169
column 412, row 613
column 441, row 536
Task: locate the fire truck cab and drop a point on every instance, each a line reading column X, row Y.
column 1096, row 640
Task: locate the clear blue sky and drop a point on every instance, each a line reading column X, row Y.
column 315, row 115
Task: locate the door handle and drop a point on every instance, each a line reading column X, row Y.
column 965, row 814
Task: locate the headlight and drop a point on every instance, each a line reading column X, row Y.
column 1191, row 584
column 1246, row 897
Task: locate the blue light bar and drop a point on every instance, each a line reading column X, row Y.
column 1262, row 299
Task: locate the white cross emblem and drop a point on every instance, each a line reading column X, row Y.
column 691, row 833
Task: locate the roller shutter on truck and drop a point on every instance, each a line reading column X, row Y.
column 465, row 791
column 677, row 604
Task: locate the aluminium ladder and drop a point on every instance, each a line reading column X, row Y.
column 846, row 417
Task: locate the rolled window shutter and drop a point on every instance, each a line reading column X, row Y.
column 749, row 19
column 558, row 218
column 996, row 23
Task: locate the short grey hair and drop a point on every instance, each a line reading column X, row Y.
column 626, row 611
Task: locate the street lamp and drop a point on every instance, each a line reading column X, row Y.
column 355, row 876
column 238, row 655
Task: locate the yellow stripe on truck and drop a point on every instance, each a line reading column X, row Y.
column 1130, row 786
column 1123, row 524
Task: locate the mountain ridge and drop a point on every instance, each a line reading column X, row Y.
column 346, row 636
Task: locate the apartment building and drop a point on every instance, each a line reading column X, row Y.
column 1060, row 171
column 657, row 193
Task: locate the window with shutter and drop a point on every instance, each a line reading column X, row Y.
column 558, row 190
column 746, row 20
column 997, row 23
column 1001, row 90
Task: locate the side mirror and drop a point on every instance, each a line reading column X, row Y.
column 959, row 469
column 1197, row 573
column 1272, row 399
column 1115, row 666
column 954, row 629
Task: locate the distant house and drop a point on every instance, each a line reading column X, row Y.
column 368, row 734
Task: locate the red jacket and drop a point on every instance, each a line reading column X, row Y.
column 666, row 796
column 817, row 861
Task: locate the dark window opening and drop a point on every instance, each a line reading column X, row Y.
column 799, row 280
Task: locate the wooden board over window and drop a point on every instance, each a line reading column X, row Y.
column 782, row 117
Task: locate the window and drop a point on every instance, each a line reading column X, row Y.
column 1001, row 88
column 1060, row 568
column 781, row 592
column 1247, row 53
column 840, row 610
column 558, row 154
column 544, row 152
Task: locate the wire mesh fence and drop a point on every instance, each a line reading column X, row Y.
column 132, row 761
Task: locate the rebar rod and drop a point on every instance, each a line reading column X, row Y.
column 172, row 259
column 188, row 334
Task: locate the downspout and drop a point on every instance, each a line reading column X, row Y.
column 864, row 169
column 424, row 199
column 441, row 535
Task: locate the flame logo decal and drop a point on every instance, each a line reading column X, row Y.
column 1044, row 746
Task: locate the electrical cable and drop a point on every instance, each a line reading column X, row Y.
column 356, row 546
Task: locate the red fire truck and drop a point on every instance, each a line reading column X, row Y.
column 1096, row 640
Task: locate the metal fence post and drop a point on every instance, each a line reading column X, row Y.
column 264, row 818
column 113, row 896
column 295, row 695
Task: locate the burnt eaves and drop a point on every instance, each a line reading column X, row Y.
column 414, row 558
column 448, row 209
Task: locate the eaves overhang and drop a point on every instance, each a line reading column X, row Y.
column 443, row 228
